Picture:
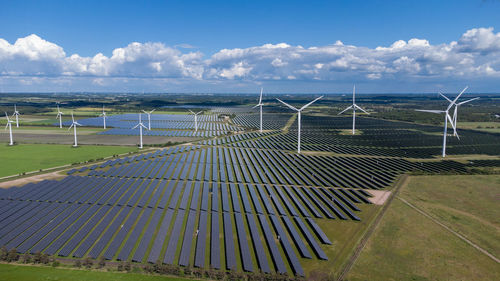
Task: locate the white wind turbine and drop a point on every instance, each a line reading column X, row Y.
column 74, row 124
column 298, row 119
column 447, row 118
column 140, row 125
column 260, row 104
column 9, row 125
column 59, row 116
column 16, row 113
column 354, row 106
column 149, row 118
column 104, row 116
column 455, row 112
column 195, row 119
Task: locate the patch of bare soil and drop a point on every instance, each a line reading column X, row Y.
column 36, row 178
column 379, row 196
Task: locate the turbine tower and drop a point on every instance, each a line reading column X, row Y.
column 260, row 104
column 59, row 116
column 447, row 118
column 104, row 116
column 455, row 112
column 354, row 106
column 195, row 119
column 16, row 113
column 149, row 118
column 9, row 125
column 298, row 119
column 140, row 125
column 74, row 124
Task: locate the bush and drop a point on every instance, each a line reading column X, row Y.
column 26, row 258
column 102, row 262
column 37, row 258
column 12, row 255
column 55, row 263
column 127, row 266
column 45, row 259
column 4, row 253
column 78, row 263
column 87, row 262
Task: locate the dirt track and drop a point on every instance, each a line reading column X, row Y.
column 35, row 178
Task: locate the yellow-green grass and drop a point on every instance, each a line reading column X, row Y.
column 13, row 272
column 493, row 127
column 410, row 246
column 30, row 157
column 466, row 203
column 345, row 235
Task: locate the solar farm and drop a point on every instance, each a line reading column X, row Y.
column 236, row 199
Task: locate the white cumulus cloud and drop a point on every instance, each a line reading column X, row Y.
column 475, row 55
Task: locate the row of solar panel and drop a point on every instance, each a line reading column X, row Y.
column 257, row 166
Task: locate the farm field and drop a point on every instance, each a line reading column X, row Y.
column 26, row 157
column 44, row 273
column 493, row 127
column 409, row 246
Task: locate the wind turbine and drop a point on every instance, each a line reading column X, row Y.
column 16, row 113
column 455, row 112
column 74, row 124
column 103, row 114
column 354, row 106
column 59, row 116
column 447, row 118
column 195, row 119
column 298, row 120
column 9, row 125
column 260, row 104
column 149, row 118
column 140, row 125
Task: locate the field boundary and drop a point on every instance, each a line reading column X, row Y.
column 463, row 238
column 371, row 228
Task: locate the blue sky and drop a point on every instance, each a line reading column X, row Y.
column 190, row 37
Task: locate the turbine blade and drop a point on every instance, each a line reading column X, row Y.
column 349, row 107
column 431, row 111
column 456, row 98
column 135, row 126
column 144, row 111
column 304, row 107
column 287, row 105
column 353, row 94
column 355, row 105
column 191, row 111
column 260, row 99
column 445, row 97
column 70, row 127
column 460, row 103
column 6, row 126
column 199, row 112
column 255, row 105
column 152, row 111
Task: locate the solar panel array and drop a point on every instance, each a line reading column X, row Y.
column 241, row 202
column 170, row 125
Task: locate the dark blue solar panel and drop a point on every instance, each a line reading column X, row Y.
column 201, row 235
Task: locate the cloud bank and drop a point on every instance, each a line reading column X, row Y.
column 475, row 56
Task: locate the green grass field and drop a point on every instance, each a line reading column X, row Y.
column 10, row 272
column 492, row 127
column 409, row 246
column 30, row 157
